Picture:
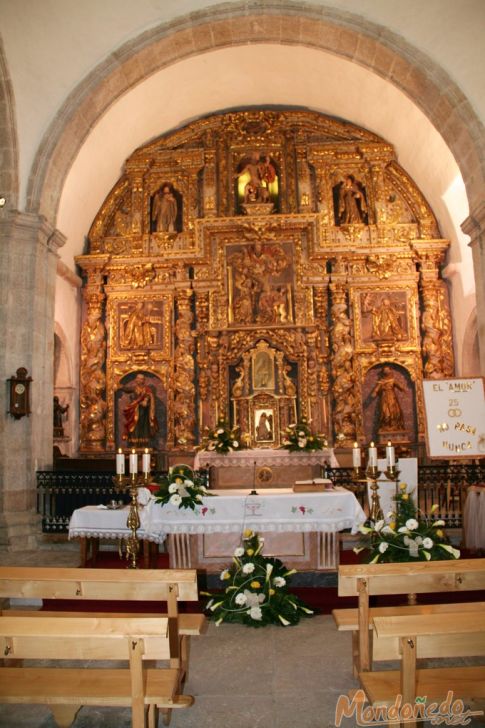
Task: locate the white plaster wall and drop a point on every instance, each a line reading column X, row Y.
column 52, row 44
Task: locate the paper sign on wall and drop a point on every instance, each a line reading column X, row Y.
column 455, row 417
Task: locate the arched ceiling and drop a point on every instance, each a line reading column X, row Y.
column 260, row 75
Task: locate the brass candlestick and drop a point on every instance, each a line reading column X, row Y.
column 375, row 513
column 131, row 484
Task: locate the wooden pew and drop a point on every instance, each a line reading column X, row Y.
column 408, row 637
column 366, row 580
column 162, row 585
column 138, row 640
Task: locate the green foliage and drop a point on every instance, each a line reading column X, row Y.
column 256, row 590
column 182, row 487
column 300, row 438
column 409, row 535
column 222, row 439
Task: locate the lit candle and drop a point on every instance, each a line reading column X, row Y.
column 146, row 461
column 372, row 456
column 120, row 462
column 356, row 458
column 391, row 459
column 133, row 462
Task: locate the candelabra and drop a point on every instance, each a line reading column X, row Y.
column 373, row 474
column 130, row 484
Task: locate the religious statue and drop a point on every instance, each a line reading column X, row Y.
column 352, row 207
column 386, row 318
column 140, row 424
column 260, row 174
column 59, row 411
column 390, row 415
column 164, row 209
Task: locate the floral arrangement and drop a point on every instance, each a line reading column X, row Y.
column 222, row 439
column 298, row 437
column 182, row 487
column 408, row 536
column 256, row 590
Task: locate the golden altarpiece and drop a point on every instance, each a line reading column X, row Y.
column 261, row 266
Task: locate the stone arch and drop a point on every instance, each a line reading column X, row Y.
column 471, row 357
column 343, row 34
column 9, row 174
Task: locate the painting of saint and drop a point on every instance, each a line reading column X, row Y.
column 264, row 425
column 263, row 372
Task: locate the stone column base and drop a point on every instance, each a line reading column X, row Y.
column 20, row 531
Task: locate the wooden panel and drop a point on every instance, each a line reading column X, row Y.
column 439, row 646
column 467, row 682
column 189, row 624
column 347, row 619
column 65, row 583
column 89, row 687
column 427, row 624
column 429, row 576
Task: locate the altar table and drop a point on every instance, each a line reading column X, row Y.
column 300, row 528
column 263, row 467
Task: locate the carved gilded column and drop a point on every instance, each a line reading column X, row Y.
column 210, row 184
column 93, row 361
column 437, row 341
column 202, row 318
column 344, row 414
column 184, row 371
column 305, row 201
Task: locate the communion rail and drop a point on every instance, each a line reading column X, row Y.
column 59, row 493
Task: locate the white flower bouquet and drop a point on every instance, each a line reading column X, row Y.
column 408, row 536
column 255, row 590
column 182, row 487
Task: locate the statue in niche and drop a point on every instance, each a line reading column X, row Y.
column 59, row 412
column 390, row 415
column 165, row 209
column 140, row 422
column 351, row 205
column 257, row 179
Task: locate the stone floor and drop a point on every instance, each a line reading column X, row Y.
column 273, row 677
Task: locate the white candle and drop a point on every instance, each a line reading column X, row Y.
column 356, row 458
column 372, row 456
column 146, row 461
column 390, row 455
column 120, row 462
column 133, row 462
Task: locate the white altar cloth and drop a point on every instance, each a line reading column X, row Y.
column 268, row 457
column 95, row 522
column 273, row 510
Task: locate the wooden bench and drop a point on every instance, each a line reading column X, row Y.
column 366, row 580
column 158, row 585
column 65, row 689
column 408, row 637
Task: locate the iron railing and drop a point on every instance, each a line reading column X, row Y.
column 59, row 493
